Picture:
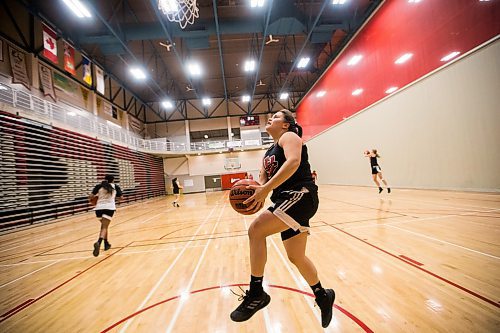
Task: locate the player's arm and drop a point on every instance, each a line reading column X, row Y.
column 94, row 192
column 262, row 175
column 119, row 193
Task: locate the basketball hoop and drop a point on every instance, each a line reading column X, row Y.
column 181, row 11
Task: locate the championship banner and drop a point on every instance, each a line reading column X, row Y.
column 1, row 50
column 69, row 58
column 46, row 81
column 99, row 75
column 49, row 44
column 87, row 71
column 18, row 66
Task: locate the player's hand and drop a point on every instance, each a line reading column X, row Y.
column 258, row 198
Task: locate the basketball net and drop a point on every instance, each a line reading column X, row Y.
column 181, row 11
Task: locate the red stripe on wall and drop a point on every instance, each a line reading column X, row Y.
column 429, row 30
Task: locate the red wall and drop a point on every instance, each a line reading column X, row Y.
column 430, row 29
column 228, row 180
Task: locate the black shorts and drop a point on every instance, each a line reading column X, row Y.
column 176, row 191
column 106, row 213
column 376, row 169
column 295, row 208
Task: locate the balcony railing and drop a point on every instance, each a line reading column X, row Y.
column 82, row 120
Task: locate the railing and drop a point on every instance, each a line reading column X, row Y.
column 82, row 120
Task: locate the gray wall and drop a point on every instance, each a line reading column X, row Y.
column 442, row 132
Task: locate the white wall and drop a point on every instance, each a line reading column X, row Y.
column 214, row 163
column 442, row 132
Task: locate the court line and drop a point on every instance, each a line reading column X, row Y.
column 456, row 285
column 28, row 274
column 11, row 313
column 135, row 314
column 191, row 280
column 445, row 242
column 420, row 219
column 164, row 275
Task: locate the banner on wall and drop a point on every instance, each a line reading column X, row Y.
column 135, row 124
column 1, row 50
column 46, row 81
column 99, row 75
column 87, row 71
column 18, row 66
column 49, row 44
column 69, row 58
column 85, row 95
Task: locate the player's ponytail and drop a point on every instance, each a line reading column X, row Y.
column 106, row 183
column 289, row 118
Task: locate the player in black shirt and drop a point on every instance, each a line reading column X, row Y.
column 176, row 189
column 376, row 170
column 286, row 172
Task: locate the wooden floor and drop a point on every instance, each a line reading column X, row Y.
column 409, row 261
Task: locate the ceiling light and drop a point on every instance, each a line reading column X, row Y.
column 257, row 3
column 245, row 98
column 72, row 113
column 249, row 65
column 168, row 6
column 405, row 57
column 338, row 2
column 354, row 60
column 414, row 1
column 357, row 92
column 138, row 73
column 194, row 68
column 206, row 101
column 78, row 8
column 283, row 96
column 391, row 90
column 303, row 62
column 167, row 104
column 321, row 93
column 450, row 56
column 2, row 87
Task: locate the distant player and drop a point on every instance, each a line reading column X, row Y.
column 314, row 176
column 176, row 186
column 376, row 170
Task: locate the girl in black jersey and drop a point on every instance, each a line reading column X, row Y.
column 376, row 170
column 176, row 189
column 286, row 172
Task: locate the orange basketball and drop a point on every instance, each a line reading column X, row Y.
column 93, row 201
column 240, row 193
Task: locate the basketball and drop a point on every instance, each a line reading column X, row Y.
column 93, row 201
column 240, row 193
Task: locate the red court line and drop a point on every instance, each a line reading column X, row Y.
column 338, row 307
column 481, row 297
column 411, row 260
column 10, row 313
column 18, row 308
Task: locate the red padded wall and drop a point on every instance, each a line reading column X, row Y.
column 429, row 29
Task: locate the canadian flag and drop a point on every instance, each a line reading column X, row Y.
column 49, row 44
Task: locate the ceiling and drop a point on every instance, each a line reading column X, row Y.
column 123, row 33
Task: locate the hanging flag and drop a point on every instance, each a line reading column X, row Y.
column 99, row 75
column 49, row 44
column 46, row 81
column 18, row 67
column 87, row 72
column 69, row 58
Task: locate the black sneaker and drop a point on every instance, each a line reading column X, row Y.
column 96, row 249
column 107, row 246
column 177, row 205
column 380, row 189
column 249, row 306
column 325, row 303
column 388, row 190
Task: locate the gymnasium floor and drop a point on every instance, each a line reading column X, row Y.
column 409, row 261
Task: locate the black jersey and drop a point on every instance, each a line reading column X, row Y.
column 175, row 186
column 373, row 161
column 275, row 158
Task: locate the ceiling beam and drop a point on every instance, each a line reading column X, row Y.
column 220, row 52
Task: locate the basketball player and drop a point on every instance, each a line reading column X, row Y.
column 176, row 186
column 314, row 176
column 105, row 208
column 286, row 172
column 376, row 170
